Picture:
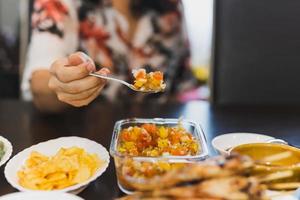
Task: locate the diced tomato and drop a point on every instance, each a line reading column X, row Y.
column 127, row 170
column 158, row 75
column 148, row 169
column 151, row 128
column 175, row 137
column 179, row 151
column 125, row 135
column 167, row 150
column 129, row 136
column 142, row 145
column 154, row 141
column 145, row 136
column 134, row 152
column 140, row 74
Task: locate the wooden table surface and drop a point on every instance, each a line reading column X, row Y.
column 24, row 126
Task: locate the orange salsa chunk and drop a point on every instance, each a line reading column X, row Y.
column 153, row 81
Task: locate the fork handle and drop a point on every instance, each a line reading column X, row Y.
column 109, row 78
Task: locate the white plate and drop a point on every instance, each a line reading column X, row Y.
column 223, row 143
column 7, row 149
column 50, row 148
column 39, row 196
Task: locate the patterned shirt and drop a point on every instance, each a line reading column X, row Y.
column 61, row 27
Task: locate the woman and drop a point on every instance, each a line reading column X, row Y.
column 61, row 27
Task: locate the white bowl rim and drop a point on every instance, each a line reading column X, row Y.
column 98, row 173
column 19, row 194
column 217, row 147
column 8, row 148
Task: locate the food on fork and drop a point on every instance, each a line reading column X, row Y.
column 69, row 166
column 153, row 81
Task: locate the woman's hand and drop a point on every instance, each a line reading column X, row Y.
column 71, row 82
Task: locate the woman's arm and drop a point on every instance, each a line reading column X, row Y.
column 54, row 76
column 54, row 35
column 43, row 97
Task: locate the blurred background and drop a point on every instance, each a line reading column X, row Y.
column 9, row 48
column 242, row 52
column 15, row 34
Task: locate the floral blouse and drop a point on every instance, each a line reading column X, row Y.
column 61, row 27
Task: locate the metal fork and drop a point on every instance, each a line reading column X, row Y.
column 123, row 82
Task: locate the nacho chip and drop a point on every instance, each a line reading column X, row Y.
column 68, row 167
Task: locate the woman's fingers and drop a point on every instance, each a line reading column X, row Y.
column 104, row 71
column 71, row 82
column 65, row 73
column 67, row 97
column 79, row 58
column 75, row 87
column 84, row 102
column 74, row 92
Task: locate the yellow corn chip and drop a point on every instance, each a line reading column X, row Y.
column 68, row 167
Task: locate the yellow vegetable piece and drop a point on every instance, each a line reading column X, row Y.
column 163, row 132
column 161, row 143
column 164, row 166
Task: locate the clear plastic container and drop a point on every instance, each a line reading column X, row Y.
column 129, row 184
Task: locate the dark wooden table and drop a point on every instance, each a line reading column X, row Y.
column 24, row 126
